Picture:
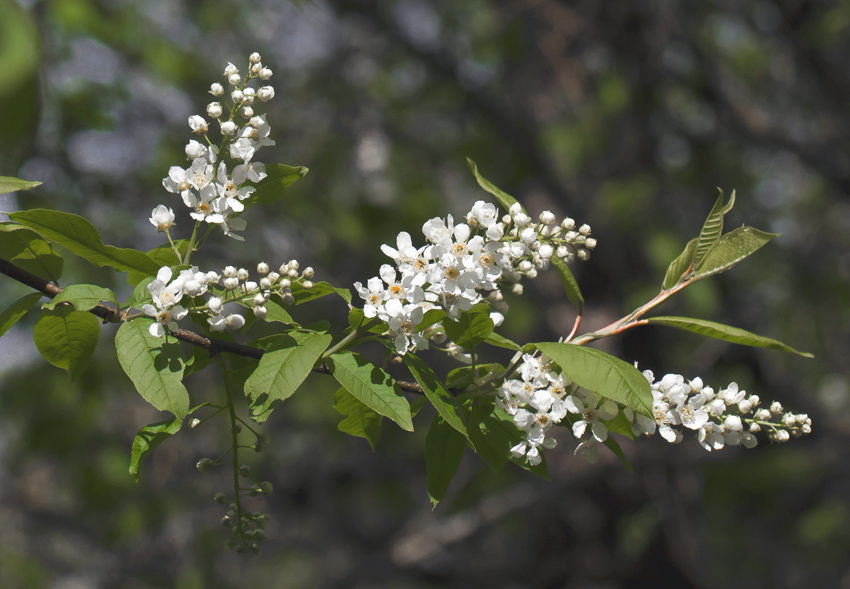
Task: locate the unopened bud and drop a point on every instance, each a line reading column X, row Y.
column 194, row 423
column 204, row 464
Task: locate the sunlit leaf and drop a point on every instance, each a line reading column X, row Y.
column 9, row 184
column 82, row 296
column 27, row 250
column 154, row 365
column 681, row 265
column 81, row 238
column 712, row 228
column 371, row 386
column 471, row 327
column 731, row 249
column 723, row 332
column 602, row 374
column 280, row 177
column 281, row 371
column 151, row 436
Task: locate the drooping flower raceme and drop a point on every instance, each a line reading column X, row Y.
column 541, row 398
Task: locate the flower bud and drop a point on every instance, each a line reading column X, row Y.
column 590, row 243
column 250, row 286
column 234, row 80
column 307, row 285
column 266, row 283
column 194, row 150
column 583, row 255
column 255, row 58
column 288, row 299
column 776, row 407
column 231, row 283
column 216, row 89
column 568, row 224
column 228, row 128
column 259, row 299
column 265, row 93
column 516, row 289
column 214, row 109
column 584, row 229
column 242, row 274
column 247, row 112
column 235, row 321
column 547, row 217
column 245, row 470
column 308, row 272
column 292, row 273
column 198, row 124
column 204, row 464
column 260, row 312
column 220, row 498
column 546, row 251
column 266, row 488
column 265, row 73
column 789, row 419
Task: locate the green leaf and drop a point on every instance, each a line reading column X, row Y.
column 163, row 256
column 9, row 184
column 372, row 386
column 712, row 228
column 16, row 310
column 320, row 289
column 280, row 177
column 66, row 338
column 82, row 239
column 140, row 296
column 494, row 339
column 731, row 249
column 154, row 365
column 569, row 282
column 282, row 370
column 680, row 266
column 726, row 333
column 436, row 392
column 471, row 327
column 488, row 436
column 621, row 425
column 602, row 374
column 615, row 448
column 151, row 436
column 444, row 448
column 82, row 296
column 27, row 250
column 505, row 199
column 361, row 421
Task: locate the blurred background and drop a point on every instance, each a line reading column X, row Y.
column 623, row 115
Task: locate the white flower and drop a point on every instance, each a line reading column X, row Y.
column 198, row 124
column 162, row 218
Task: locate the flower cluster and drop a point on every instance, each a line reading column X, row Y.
column 542, row 398
column 214, row 192
column 462, row 260
column 231, row 285
column 719, row 419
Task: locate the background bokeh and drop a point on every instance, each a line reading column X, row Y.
column 624, row 115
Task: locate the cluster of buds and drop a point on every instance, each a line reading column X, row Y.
column 231, row 285
column 780, row 429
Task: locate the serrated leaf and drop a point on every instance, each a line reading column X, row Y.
column 505, row 199
column 9, row 184
column 281, row 371
column 444, row 447
column 471, row 327
column 13, row 313
column 435, row 391
column 361, row 421
column 731, row 249
column 712, row 228
column 602, row 374
column 280, row 177
column 154, row 365
column 151, row 436
column 163, row 256
column 570, row 285
column 82, row 296
column 66, row 338
column 371, row 386
column 726, row 333
column 81, row 238
column 27, row 250
column 681, row 265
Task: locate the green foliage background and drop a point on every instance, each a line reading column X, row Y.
column 624, row 115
